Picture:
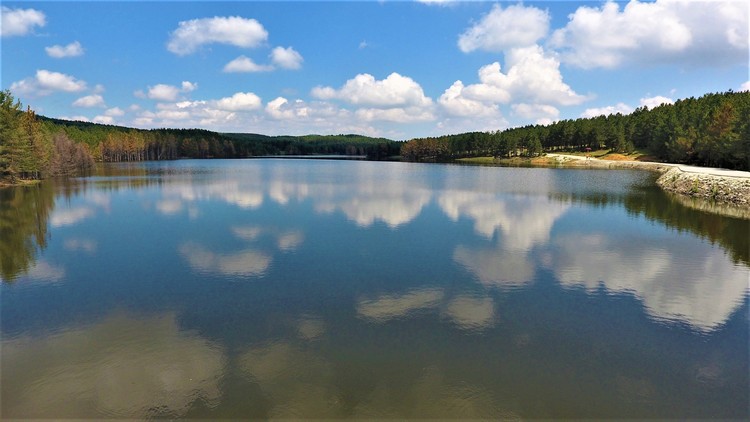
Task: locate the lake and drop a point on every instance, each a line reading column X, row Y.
column 272, row 288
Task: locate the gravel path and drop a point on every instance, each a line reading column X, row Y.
column 682, row 167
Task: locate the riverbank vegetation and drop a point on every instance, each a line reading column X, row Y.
column 30, row 150
column 34, row 147
column 119, row 144
column 713, row 130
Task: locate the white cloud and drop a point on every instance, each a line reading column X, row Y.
column 105, row 120
column 164, row 92
column 73, row 49
column 241, row 101
column 621, row 108
column 286, row 58
column 745, row 86
column 115, row 112
column 20, row 21
column 234, row 30
column 188, row 86
column 90, row 101
column 397, row 114
column 655, row 101
column 75, row 118
column 46, row 82
column 533, row 79
column 502, row 29
column 245, row 64
column 456, row 104
column 364, row 89
column 275, row 108
column 695, row 32
column 437, row 2
column 543, row 113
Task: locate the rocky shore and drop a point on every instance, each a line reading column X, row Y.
column 712, row 187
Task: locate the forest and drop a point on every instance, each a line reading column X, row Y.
column 713, row 131
column 35, row 147
column 115, row 143
column 30, row 149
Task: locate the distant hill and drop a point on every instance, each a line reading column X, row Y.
column 117, row 143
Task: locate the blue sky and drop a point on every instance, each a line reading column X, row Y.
column 394, row 69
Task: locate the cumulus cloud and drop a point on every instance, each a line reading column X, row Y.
column 164, row 92
column 104, row 120
column 286, row 58
column 115, row 112
column 280, row 108
column 46, row 82
column 456, row 103
column 244, row 64
column 621, row 108
column 73, row 49
column 533, row 79
column 398, row 114
column 365, row 90
column 188, row 86
column 241, row 101
column 662, row 31
column 541, row 113
column 745, row 86
column 90, row 101
column 234, row 30
column 655, row 101
column 502, row 29
column 17, row 22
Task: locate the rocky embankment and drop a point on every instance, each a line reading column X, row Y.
column 709, row 186
column 712, row 187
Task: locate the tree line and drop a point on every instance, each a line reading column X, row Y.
column 713, row 130
column 110, row 143
column 31, row 150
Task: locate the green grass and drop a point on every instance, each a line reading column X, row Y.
column 478, row 160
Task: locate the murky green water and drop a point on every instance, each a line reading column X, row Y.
column 346, row 289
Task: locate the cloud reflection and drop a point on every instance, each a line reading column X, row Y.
column 44, row 271
column 703, row 293
column 472, row 313
column 388, row 307
column 467, row 312
column 80, row 244
column 120, row 367
column 524, row 221
column 247, row 263
column 496, row 267
column 69, row 216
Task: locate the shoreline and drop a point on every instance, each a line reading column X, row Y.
column 712, row 186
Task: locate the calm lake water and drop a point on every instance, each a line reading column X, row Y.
column 341, row 289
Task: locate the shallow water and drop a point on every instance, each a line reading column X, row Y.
column 317, row 289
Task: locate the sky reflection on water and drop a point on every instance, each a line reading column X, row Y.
column 280, row 288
